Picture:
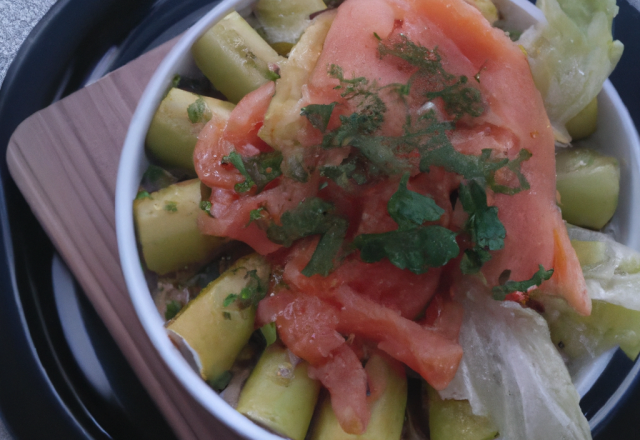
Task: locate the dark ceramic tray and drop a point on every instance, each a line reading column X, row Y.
column 62, row 374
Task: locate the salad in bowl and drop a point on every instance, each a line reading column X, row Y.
column 386, row 218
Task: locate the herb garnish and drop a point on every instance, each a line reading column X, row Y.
column 483, row 225
column 171, row 206
column 459, row 99
column 257, row 170
column 312, row 216
column 250, row 295
column 412, row 246
column 206, row 206
column 173, row 307
column 199, row 111
column 500, row 292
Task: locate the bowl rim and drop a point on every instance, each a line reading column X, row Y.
column 132, row 164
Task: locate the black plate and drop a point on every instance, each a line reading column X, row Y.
column 61, row 374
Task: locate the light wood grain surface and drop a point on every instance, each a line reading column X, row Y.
column 64, row 159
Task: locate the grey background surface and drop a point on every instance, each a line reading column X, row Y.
column 17, row 19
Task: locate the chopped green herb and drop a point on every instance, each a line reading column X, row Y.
column 459, row 99
column 255, row 214
column 269, row 332
column 483, row 224
column 257, row 170
column 412, row 246
column 318, row 115
column 355, row 167
column 175, row 81
column 322, row 186
column 416, row 249
column 250, row 295
column 473, row 260
column 221, row 382
column 226, row 316
column 313, row 216
column 143, row 195
column 500, row 292
column 514, row 167
column 206, row 206
column 173, row 307
column 321, row 261
column 199, row 111
column 171, row 207
column 410, row 209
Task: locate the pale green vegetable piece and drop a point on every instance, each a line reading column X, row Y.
column 387, row 411
column 172, row 136
column 585, row 123
column 454, row 420
column 235, row 58
column 615, row 278
column 608, row 326
column 487, row 8
column 283, row 122
column 280, row 395
column 211, row 334
column 571, row 56
column 283, row 21
column 612, row 275
column 166, row 224
column 589, row 185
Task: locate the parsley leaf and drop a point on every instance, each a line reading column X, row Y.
column 257, row 170
column 416, row 249
column 409, row 209
column 206, row 206
column 501, row 292
column 312, row 216
column 173, row 307
column 328, row 247
column 250, row 295
column 255, row 214
column 198, row 111
column 412, row 246
column 473, row 260
column 318, row 115
column 171, row 206
column 483, row 224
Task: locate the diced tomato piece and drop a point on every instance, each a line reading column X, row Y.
column 240, row 133
column 444, row 316
column 346, row 380
column 425, row 350
column 306, row 324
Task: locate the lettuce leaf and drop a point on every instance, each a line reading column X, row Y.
column 512, row 371
column 571, row 55
column 612, row 274
column 611, row 269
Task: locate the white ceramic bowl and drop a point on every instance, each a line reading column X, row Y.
column 616, row 136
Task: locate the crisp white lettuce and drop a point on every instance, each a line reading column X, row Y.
column 613, row 274
column 571, row 55
column 512, row 371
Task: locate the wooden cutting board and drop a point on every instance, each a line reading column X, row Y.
column 64, row 159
